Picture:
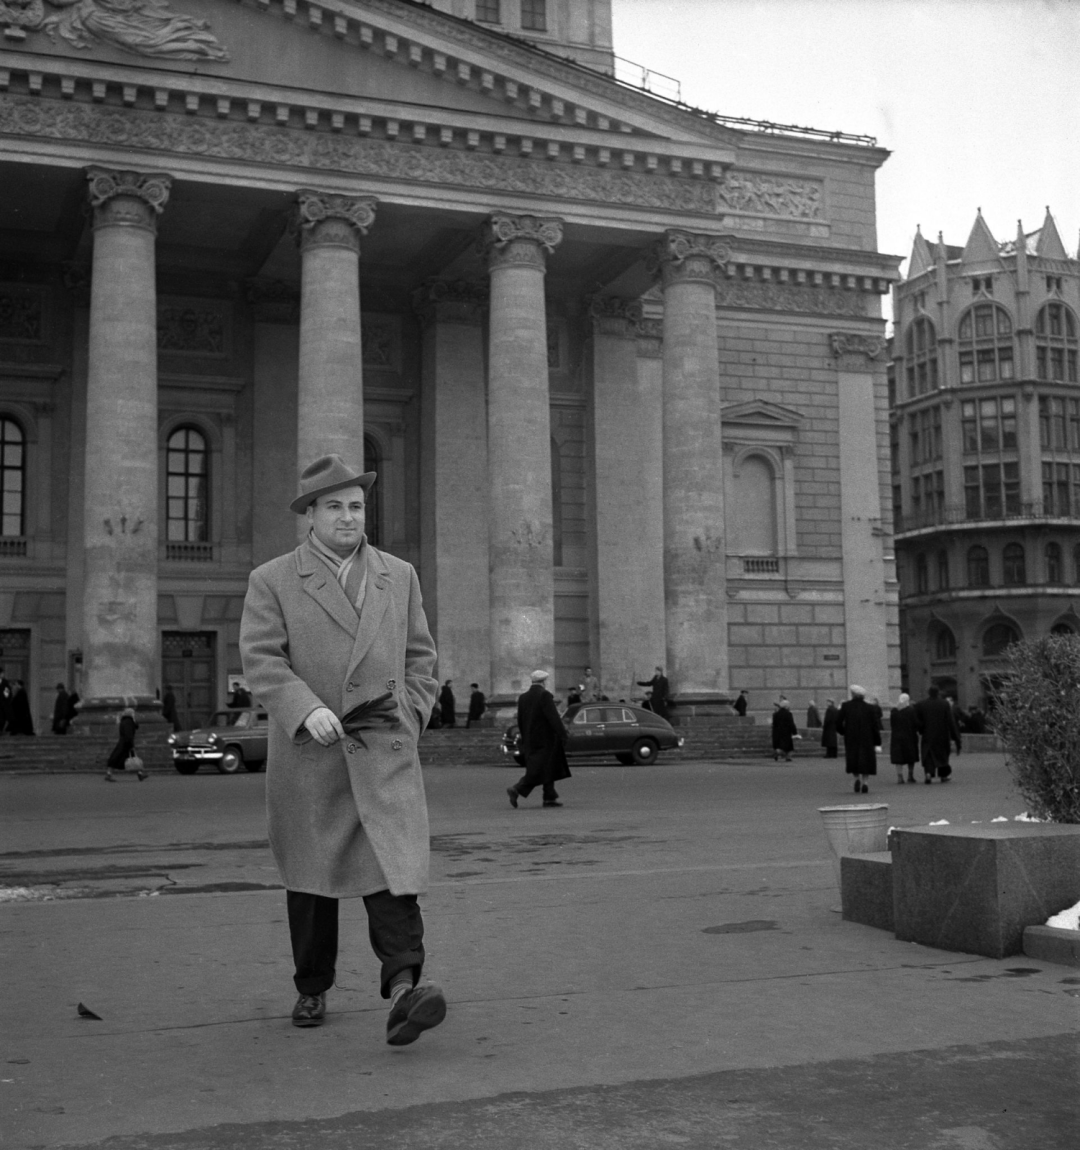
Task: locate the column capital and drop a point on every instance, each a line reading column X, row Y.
column 127, row 199
column 856, row 345
column 685, row 257
column 450, row 301
column 519, row 240
column 615, row 315
column 326, row 218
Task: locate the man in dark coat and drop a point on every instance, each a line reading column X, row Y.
column 860, row 727
column 22, row 720
column 60, row 711
column 543, row 739
column 7, row 691
column 829, row 739
column 168, row 708
column 784, row 731
column 658, row 698
column 740, row 705
column 813, row 716
column 477, row 704
column 447, row 705
column 937, row 727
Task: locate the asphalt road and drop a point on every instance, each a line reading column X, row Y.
column 655, row 964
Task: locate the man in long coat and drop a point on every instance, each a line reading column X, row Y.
column 660, row 693
column 860, row 727
column 936, row 724
column 543, row 741
column 327, row 627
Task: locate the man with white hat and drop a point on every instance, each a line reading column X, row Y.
column 336, row 647
column 543, row 739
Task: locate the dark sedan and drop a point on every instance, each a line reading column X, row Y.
column 231, row 740
column 631, row 734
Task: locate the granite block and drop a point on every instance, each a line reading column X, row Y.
column 975, row 888
column 1052, row 944
column 866, row 889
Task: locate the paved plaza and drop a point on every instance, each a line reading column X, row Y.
column 657, row 964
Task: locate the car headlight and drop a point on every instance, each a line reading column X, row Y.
column 171, row 740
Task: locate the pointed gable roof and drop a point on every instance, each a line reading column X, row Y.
column 981, row 245
column 1049, row 243
column 922, row 258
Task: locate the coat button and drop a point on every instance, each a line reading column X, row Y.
column 351, row 747
column 391, row 684
column 396, row 745
column 349, row 686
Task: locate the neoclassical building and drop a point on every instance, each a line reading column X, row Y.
column 619, row 363
column 986, row 453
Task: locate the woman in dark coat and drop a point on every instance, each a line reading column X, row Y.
column 22, row 721
column 861, row 730
column 447, row 705
column 125, row 746
column 828, row 729
column 903, row 739
column 784, row 731
column 60, row 711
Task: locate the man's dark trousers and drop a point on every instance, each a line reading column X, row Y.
column 395, row 928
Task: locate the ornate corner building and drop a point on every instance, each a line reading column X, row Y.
column 618, row 363
column 986, row 453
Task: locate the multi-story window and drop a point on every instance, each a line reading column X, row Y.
column 1055, row 344
column 487, row 11
column 13, row 477
column 985, row 344
column 922, row 576
column 978, row 565
column 534, row 15
column 187, row 495
column 944, row 643
column 943, row 570
column 988, row 425
column 1076, row 563
column 1061, row 488
column 996, row 638
column 1052, row 555
column 992, row 491
column 921, row 358
column 1013, row 569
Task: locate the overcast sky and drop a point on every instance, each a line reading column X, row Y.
column 978, row 100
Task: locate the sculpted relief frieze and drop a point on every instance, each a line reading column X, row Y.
column 142, row 27
column 231, row 140
column 790, row 297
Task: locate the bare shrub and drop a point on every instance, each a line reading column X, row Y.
column 1037, row 716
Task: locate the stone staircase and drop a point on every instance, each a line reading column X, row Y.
column 77, row 752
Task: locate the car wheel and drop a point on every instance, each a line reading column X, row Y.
column 254, row 767
column 625, row 757
column 232, row 759
column 645, row 751
column 186, row 768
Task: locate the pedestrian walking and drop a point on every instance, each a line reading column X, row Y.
column 937, row 729
column 740, row 705
column 73, row 707
column 860, row 728
column 590, row 687
column 477, row 705
column 168, row 708
column 22, row 720
column 829, row 738
column 240, row 696
column 339, row 626
column 7, row 691
column 784, row 731
column 447, row 705
column 125, row 747
column 60, row 711
column 660, row 693
column 813, row 716
column 903, row 738
column 542, row 741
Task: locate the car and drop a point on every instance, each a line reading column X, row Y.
column 232, row 739
column 632, row 734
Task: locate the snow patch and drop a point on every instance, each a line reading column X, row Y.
column 1067, row 919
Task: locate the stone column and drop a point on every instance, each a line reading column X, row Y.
column 871, row 617
column 695, row 583
column 330, row 392
column 627, row 564
column 121, row 471
column 454, row 480
column 519, row 452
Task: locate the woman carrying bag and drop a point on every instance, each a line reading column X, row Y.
column 123, row 754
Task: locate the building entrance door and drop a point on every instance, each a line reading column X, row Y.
column 15, row 661
column 188, row 665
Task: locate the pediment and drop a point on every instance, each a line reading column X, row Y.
column 760, row 413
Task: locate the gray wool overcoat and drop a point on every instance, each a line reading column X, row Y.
column 345, row 820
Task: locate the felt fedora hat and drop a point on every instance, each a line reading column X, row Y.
column 329, row 473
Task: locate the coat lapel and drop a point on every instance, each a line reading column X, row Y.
column 325, row 589
column 376, row 600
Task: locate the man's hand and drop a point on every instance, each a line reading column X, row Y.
column 325, row 726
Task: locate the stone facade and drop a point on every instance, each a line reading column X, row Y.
column 986, row 453
column 617, row 364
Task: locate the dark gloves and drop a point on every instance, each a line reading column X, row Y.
column 370, row 714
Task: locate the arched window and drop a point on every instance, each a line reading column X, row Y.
column 978, row 565
column 943, row 570
column 1055, row 344
column 13, row 477
column 187, row 487
column 1013, row 569
column 922, row 576
column 920, row 358
column 985, row 344
column 944, row 643
column 1053, row 562
column 372, row 517
column 752, row 517
column 996, row 638
column 1062, row 629
column 1076, row 563
column 556, row 503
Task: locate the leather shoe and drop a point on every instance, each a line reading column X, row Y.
column 552, row 803
column 310, row 1010
column 513, row 796
column 414, row 1012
